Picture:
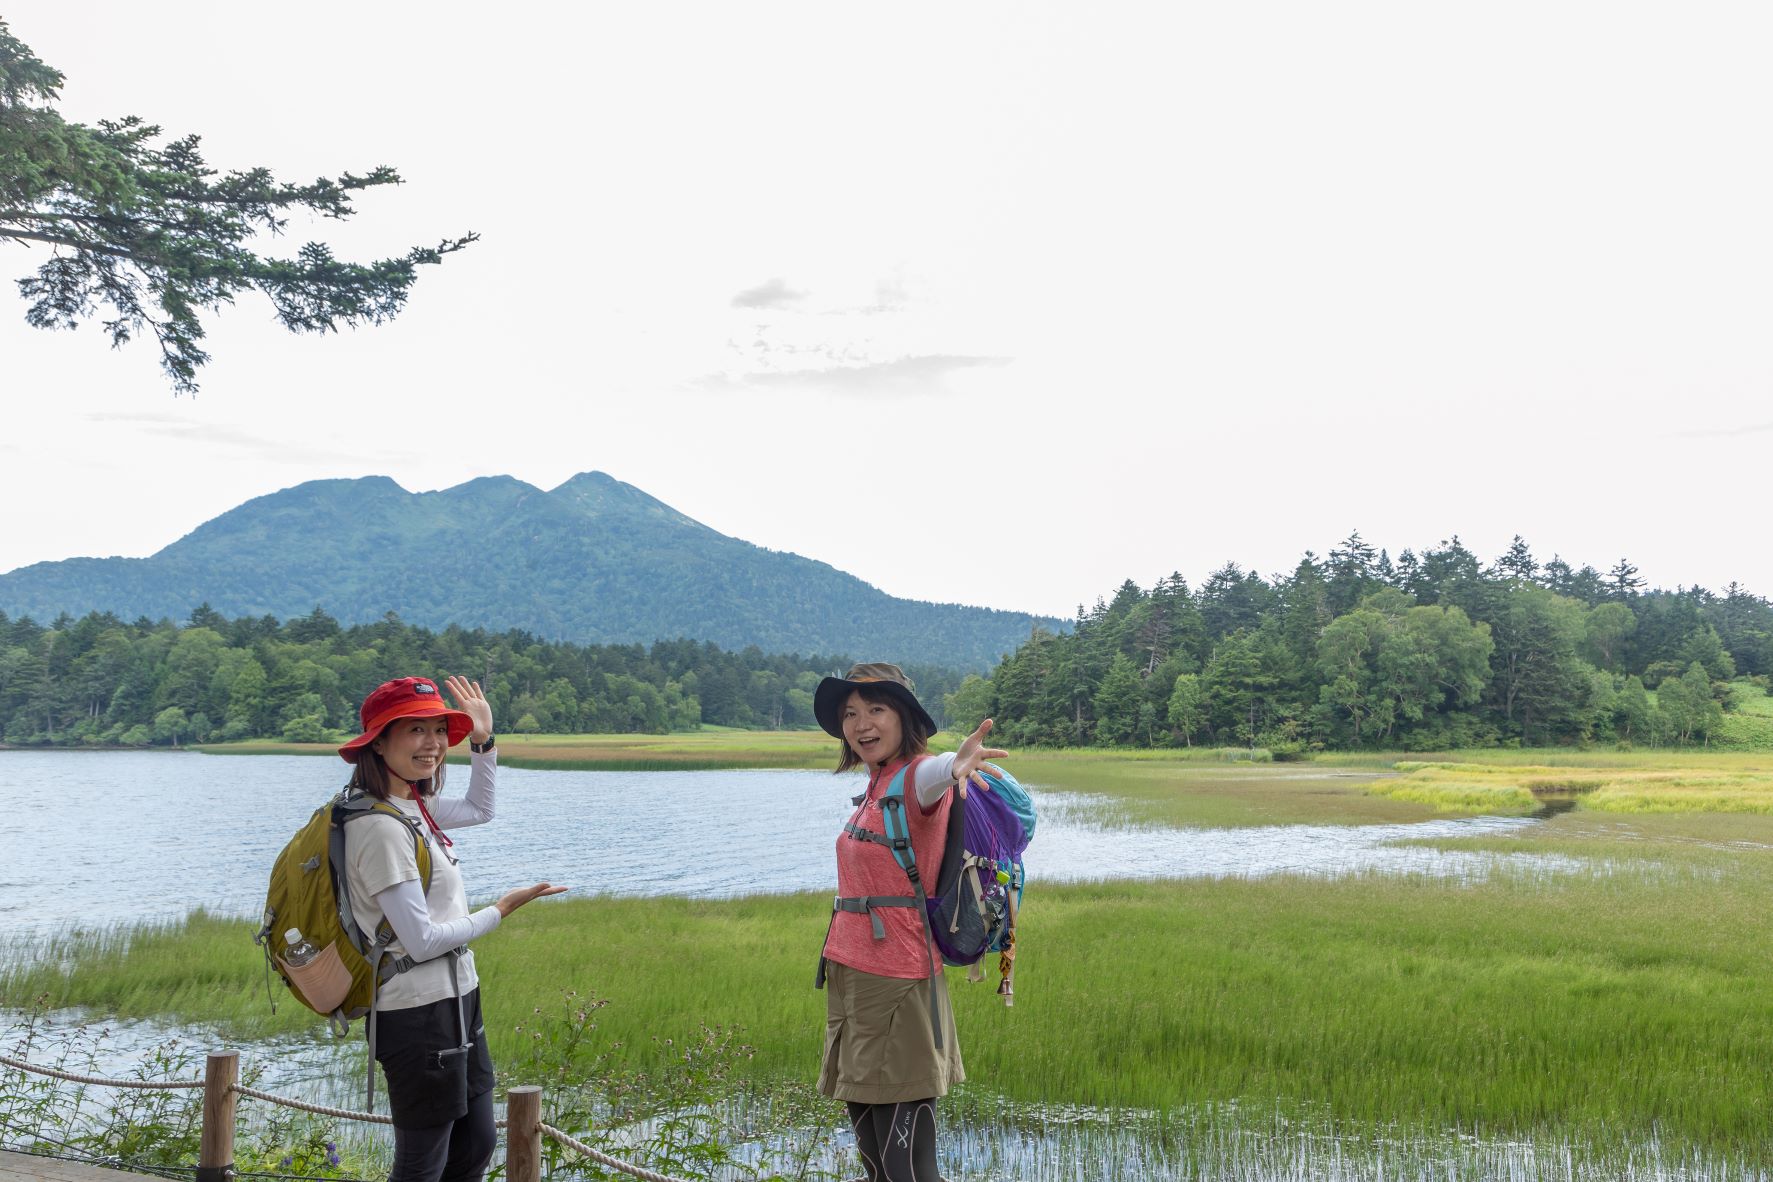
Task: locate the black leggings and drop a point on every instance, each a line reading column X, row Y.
column 458, row 1151
column 897, row 1141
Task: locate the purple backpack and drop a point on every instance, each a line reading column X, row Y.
column 971, row 910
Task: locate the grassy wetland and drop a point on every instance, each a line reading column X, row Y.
column 1616, row 998
column 708, row 749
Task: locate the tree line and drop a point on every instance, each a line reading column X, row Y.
column 1430, row 651
column 101, row 680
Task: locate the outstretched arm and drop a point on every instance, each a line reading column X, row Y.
column 404, row 905
column 936, row 776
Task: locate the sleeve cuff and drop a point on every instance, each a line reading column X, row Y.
column 485, row 920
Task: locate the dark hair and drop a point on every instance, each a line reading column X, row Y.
column 372, row 774
column 912, row 740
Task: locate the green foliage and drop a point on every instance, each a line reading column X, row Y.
column 1431, row 652
column 967, row 706
column 98, row 680
column 146, row 229
column 594, row 561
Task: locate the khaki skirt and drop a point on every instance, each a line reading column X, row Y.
column 879, row 1047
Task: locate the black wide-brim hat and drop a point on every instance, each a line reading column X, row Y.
column 833, row 692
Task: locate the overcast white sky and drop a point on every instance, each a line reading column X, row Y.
column 1085, row 292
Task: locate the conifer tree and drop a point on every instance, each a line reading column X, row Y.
column 146, row 235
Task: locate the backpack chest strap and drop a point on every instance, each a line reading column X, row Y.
column 866, row 904
column 853, row 830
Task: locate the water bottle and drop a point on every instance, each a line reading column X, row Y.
column 300, row 952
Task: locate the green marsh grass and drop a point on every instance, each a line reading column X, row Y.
column 1623, row 1002
column 1169, row 788
column 1604, row 1005
column 1749, row 725
column 710, row 749
column 1694, row 784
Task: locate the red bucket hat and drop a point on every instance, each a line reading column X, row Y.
column 404, row 697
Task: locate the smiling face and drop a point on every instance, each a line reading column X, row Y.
column 873, row 729
column 413, row 747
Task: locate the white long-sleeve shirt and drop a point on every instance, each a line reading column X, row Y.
column 934, row 777
column 383, row 876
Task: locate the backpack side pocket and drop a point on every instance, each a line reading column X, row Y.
column 323, row 982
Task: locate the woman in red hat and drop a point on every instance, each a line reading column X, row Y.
column 890, row 1046
column 427, row 1031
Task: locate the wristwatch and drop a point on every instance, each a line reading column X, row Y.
column 479, row 748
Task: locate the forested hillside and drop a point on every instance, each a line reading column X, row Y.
column 1431, row 651
column 99, row 680
column 594, row 561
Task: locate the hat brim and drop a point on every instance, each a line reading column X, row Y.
column 459, row 725
column 833, row 692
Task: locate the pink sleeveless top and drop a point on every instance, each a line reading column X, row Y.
column 868, row 868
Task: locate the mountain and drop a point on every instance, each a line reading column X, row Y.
column 592, row 561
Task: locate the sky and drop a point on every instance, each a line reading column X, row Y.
column 988, row 303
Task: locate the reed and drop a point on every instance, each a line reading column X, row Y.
column 1695, row 784
column 1605, row 1003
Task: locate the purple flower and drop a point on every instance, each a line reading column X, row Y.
column 332, row 1159
column 284, row 1163
column 330, row 1147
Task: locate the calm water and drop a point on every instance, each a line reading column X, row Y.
column 96, row 838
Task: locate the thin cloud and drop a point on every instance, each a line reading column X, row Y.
column 771, row 293
column 906, row 376
column 279, row 450
column 1722, row 432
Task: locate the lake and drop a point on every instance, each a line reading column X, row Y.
column 92, row 839
column 101, row 838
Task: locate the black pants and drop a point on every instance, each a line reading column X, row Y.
column 439, row 1094
column 456, row 1152
column 897, row 1141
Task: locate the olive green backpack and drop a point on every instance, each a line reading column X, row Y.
column 308, row 893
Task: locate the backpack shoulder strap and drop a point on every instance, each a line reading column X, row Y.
column 898, row 839
column 421, row 850
column 893, row 820
column 350, row 808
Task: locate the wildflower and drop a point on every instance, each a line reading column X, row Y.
column 332, row 1159
column 331, row 1148
column 284, row 1164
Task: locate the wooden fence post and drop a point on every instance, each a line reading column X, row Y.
column 215, row 1159
column 523, row 1134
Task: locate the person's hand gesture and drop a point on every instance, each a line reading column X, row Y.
column 971, row 755
column 472, row 702
column 512, row 900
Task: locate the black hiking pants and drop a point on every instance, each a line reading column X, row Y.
column 458, row 1151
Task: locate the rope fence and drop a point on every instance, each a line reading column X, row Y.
column 221, row 1087
column 147, row 1085
column 318, row 1109
column 601, row 1158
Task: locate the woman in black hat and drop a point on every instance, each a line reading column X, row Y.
column 890, row 1047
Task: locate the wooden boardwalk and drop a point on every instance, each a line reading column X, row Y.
column 26, row 1167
